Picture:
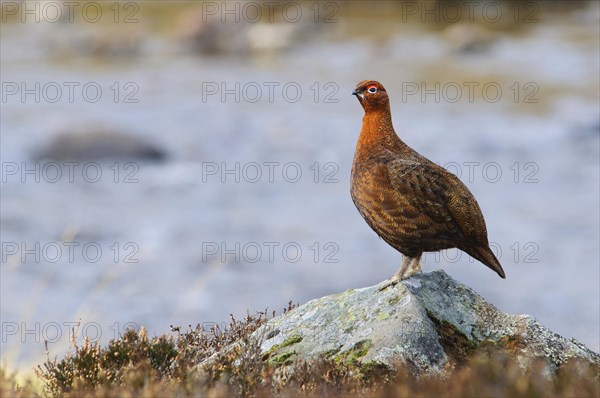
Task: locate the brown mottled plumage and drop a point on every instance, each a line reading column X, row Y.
column 412, row 203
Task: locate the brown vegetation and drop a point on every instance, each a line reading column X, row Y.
column 137, row 365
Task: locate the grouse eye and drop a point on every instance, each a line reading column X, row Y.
column 372, row 89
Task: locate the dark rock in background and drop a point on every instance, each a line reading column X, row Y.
column 99, row 145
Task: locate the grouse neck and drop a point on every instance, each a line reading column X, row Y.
column 377, row 128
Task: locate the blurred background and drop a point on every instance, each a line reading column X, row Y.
column 173, row 163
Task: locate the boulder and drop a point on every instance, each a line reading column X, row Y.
column 429, row 323
column 98, row 144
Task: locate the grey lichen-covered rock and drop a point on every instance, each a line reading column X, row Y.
column 428, row 322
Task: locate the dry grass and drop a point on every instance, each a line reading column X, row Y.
column 136, row 365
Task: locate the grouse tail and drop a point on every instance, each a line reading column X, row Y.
column 487, row 257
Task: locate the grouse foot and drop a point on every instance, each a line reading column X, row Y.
column 409, row 267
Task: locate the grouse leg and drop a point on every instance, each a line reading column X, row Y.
column 414, row 267
column 398, row 276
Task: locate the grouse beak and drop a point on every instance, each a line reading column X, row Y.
column 357, row 93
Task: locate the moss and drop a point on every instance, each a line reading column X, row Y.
column 291, row 340
column 394, row 300
column 373, row 372
column 330, row 353
column 353, row 355
column 296, row 338
column 282, row 359
column 454, row 342
column 382, row 316
column 349, row 330
column 270, row 352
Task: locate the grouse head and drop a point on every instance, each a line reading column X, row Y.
column 372, row 96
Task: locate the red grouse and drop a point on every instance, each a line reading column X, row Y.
column 412, row 203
